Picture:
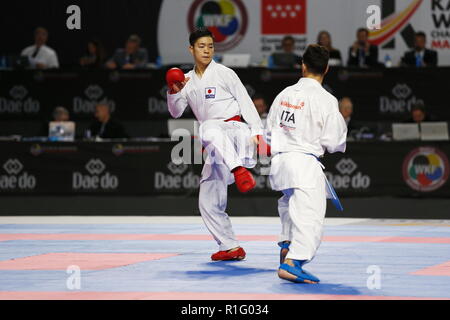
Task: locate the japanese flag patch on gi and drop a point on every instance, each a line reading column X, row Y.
column 210, row 93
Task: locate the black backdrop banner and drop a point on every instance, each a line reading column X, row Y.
column 112, row 22
column 378, row 95
column 146, row 168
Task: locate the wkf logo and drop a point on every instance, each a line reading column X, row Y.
column 210, row 93
column 226, row 19
column 16, row 178
column 426, row 169
column 97, row 179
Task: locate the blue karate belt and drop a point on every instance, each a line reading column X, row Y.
column 334, row 197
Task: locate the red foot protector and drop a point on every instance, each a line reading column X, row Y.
column 174, row 75
column 263, row 148
column 238, row 254
column 244, row 180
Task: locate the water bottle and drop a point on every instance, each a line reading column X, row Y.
column 270, row 62
column 159, row 63
column 388, row 61
column 264, row 62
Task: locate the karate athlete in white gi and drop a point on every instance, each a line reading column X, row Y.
column 303, row 123
column 218, row 99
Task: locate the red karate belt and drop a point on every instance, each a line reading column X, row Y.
column 235, row 118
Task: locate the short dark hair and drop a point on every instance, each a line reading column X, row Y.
column 421, row 34
column 316, row 59
column 199, row 33
column 258, row 96
column 418, row 106
column 288, row 38
column 40, row 29
column 363, row 30
column 134, row 38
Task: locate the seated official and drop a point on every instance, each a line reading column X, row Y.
column 346, row 110
column 60, row 114
column 41, row 56
column 419, row 114
column 95, row 55
column 104, row 127
column 324, row 39
column 131, row 57
column 362, row 53
column 285, row 58
column 420, row 56
column 261, row 106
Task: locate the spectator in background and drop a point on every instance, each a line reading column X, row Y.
column 95, row 55
column 362, row 53
column 260, row 104
column 104, row 126
column 420, row 56
column 324, row 39
column 286, row 58
column 60, row 114
column 131, row 57
column 346, row 110
column 40, row 55
column 419, row 114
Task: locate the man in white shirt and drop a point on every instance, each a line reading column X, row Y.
column 303, row 123
column 40, row 55
column 218, row 99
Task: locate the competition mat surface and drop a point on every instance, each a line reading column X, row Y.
column 168, row 258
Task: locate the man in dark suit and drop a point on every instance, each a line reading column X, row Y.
column 105, row 127
column 420, row 56
column 362, row 53
column 130, row 57
column 419, row 114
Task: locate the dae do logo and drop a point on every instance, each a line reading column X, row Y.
column 226, row 19
column 425, row 169
column 96, row 179
column 16, row 177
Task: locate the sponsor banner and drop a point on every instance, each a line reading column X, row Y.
column 16, row 178
column 94, row 178
column 16, row 100
column 377, row 94
column 365, row 170
column 348, row 176
column 258, row 26
column 131, row 95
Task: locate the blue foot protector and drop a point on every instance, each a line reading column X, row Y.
column 284, row 244
column 297, row 270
